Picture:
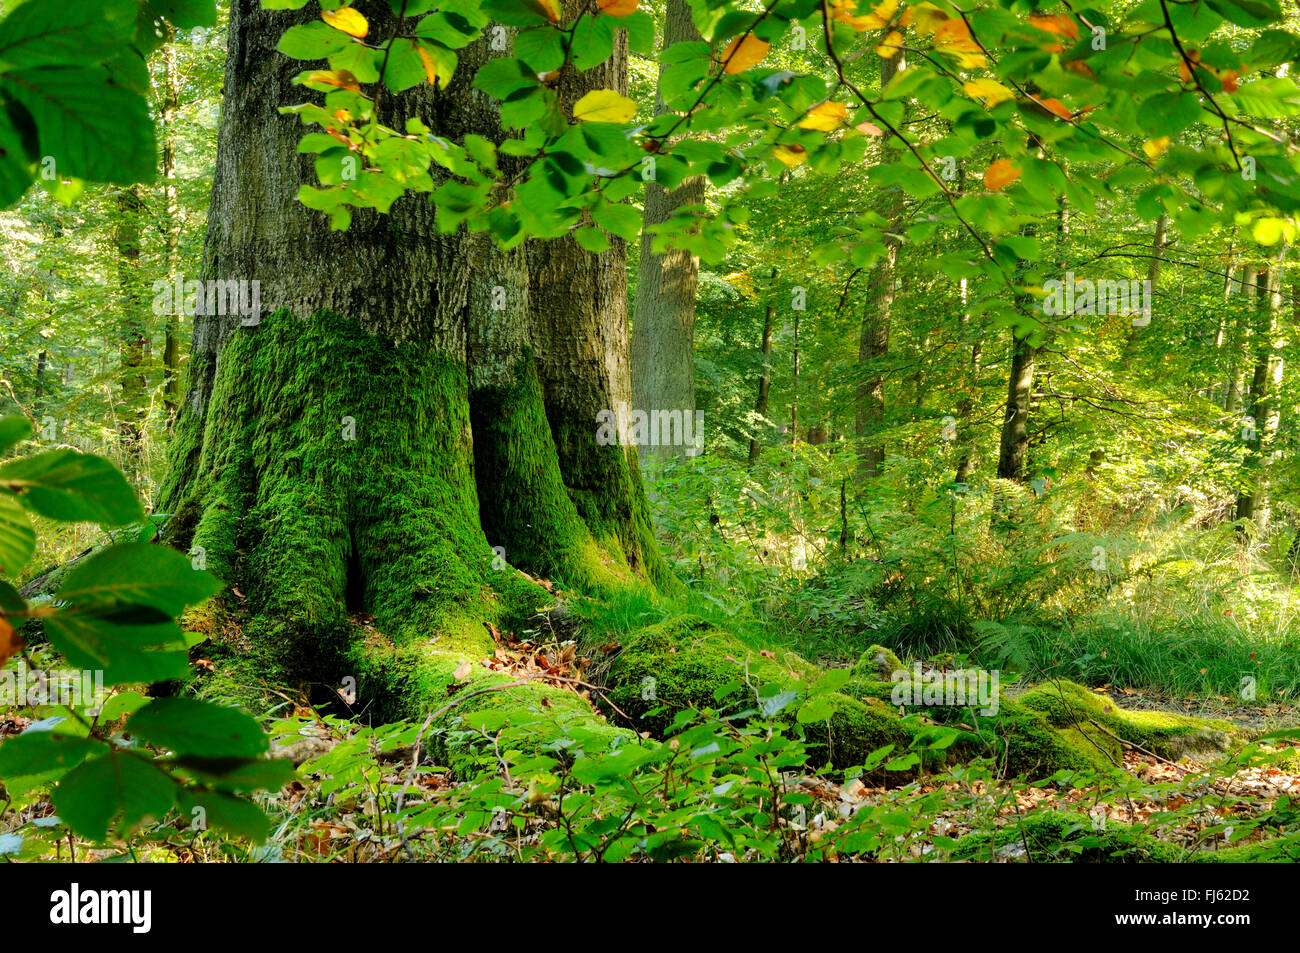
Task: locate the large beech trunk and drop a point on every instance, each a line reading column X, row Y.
column 343, row 456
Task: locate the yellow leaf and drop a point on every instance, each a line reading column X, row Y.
column 885, row 9
column 926, row 16
column 341, row 78
column 743, row 52
column 791, row 155
column 893, row 43
column 618, row 8
column 1155, row 148
column 824, row 116
column 1000, row 174
column 845, row 11
column 989, row 90
column 604, row 105
column 348, row 20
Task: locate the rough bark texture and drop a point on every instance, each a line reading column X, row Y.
column 171, row 225
column 324, row 463
column 764, row 379
column 133, row 342
column 578, row 307
column 663, row 323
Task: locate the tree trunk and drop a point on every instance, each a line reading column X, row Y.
column 764, row 379
column 133, row 329
column 873, row 335
column 1262, row 409
column 578, row 315
column 324, row 462
column 171, row 226
column 663, row 322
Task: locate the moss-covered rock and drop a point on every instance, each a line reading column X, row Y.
column 853, row 731
column 877, row 664
column 1069, row 705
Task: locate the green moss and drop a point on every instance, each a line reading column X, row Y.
column 334, row 476
column 878, row 664
column 1046, row 836
column 685, row 662
column 853, row 732
column 1034, row 748
column 522, row 495
column 1066, row 704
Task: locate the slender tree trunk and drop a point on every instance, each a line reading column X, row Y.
column 873, row 334
column 765, row 377
column 1262, row 409
column 171, row 226
column 133, row 329
column 663, row 323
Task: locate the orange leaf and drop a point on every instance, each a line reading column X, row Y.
column 1000, row 174
column 11, row 642
column 1059, row 24
column 743, row 52
column 1056, row 108
column 547, row 8
column 341, row 78
column 618, row 8
column 348, row 20
column 870, row 128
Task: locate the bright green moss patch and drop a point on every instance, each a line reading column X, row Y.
column 1066, row 704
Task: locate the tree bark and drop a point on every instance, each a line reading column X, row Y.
column 133, row 342
column 171, row 225
column 663, row 321
column 764, row 378
column 1262, row 408
column 873, row 334
column 324, row 461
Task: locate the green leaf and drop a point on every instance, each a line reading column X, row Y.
column 619, row 219
column 135, row 575
column 17, row 538
column 312, row 41
column 44, row 753
column 92, row 128
column 592, row 239
column 187, row 726
column 69, row 32
column 15, row 175
column 15, row 428
column 125, row 652
column 1248, row 13
column 73, row 487
column 241, row 775
column 231, row 814
column 116, row 785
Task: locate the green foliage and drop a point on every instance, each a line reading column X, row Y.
column 72, row 90
column 116, row 763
